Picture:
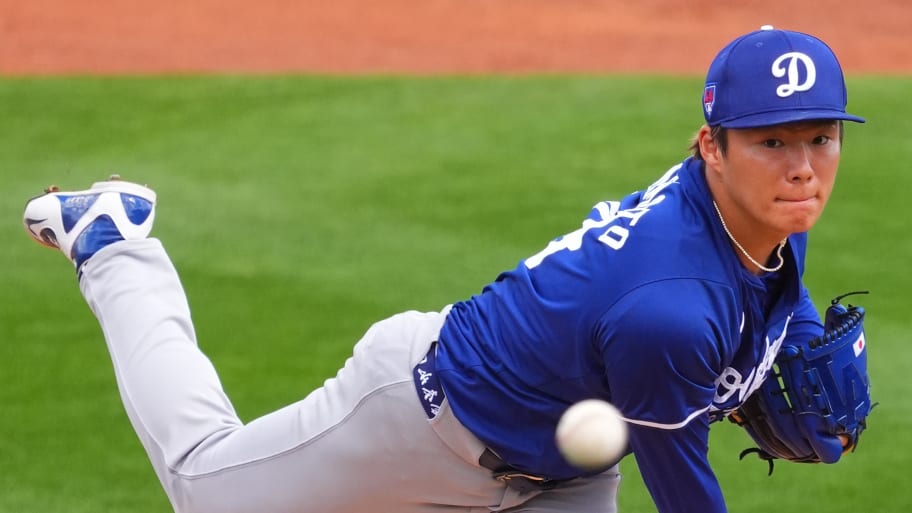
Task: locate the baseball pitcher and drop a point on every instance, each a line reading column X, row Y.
column 681, row 304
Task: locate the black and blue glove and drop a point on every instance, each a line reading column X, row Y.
column 814, row 405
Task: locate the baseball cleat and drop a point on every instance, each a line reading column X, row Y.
column 80, row 223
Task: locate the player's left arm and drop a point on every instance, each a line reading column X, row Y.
column 805, row 323
column 814, row 404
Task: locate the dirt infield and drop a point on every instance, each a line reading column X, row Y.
column 428, row 36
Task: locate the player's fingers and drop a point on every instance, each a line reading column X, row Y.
column 846, row 441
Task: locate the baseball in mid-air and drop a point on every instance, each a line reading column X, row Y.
column 591, row 434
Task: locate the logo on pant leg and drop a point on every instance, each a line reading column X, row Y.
column 430, row 393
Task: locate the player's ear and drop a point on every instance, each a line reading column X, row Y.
column 710, row 148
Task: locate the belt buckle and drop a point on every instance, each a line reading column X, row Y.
column 524, row 482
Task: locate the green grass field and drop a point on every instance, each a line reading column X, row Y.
column 299, row 210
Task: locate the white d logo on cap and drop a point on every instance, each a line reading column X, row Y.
column 793, row 85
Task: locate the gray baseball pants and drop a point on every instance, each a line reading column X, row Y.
column 360, row 444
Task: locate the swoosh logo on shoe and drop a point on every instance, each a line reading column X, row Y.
column 29, row 221
column 46, row 235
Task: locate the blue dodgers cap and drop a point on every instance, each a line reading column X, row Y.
column 771, row 76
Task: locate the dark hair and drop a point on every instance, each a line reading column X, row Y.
column 720, row 134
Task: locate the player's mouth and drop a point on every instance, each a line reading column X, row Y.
column 803, row 209
column 798, row 201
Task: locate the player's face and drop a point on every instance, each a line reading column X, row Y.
column 780, row 177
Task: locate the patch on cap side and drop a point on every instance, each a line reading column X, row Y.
column 709, row 98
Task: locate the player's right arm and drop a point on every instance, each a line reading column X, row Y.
column 662, row 356
column 675, row 468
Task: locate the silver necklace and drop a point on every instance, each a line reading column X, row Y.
column 744, row 251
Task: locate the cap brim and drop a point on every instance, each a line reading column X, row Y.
column 788, row 116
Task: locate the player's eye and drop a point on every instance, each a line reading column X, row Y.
column 772, row 143
column 822, row 139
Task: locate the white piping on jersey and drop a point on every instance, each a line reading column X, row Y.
column 679, row 425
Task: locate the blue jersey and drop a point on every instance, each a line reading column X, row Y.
column 646, row 306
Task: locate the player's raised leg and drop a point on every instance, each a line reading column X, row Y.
column 359, row 443
column 171, row 393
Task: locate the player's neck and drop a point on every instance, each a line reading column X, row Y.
column 759, row 253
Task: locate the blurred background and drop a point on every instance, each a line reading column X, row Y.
column 427, row 36
column 320, row 167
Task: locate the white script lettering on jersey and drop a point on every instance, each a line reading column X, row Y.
column 608, row 212
column 792, row 72
column 731, row 381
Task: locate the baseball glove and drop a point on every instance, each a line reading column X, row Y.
column 814, row 405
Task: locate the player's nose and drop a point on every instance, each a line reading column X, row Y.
column 801, row 164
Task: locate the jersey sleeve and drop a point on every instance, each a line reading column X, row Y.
column 663, row 350
column 664, row 346
column 805, row 323
column 675, row 468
